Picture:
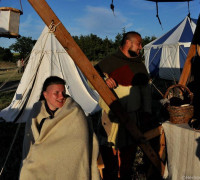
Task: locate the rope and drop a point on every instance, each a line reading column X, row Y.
column 189, row 10
column 183, row 51
column 21, row 6
column 11, row 146
column 151, row 83
column 154, row 56
column 52, row 27
column 158, row 15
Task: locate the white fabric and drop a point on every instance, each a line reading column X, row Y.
column 9, row 21
column 169, row 53
column 183, row 151
column 49, row 58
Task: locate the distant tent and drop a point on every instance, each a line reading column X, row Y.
column 165, row 56
column 49, row 58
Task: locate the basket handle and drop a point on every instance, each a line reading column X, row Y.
column 180, row 86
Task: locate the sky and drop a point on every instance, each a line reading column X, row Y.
column 83, row 17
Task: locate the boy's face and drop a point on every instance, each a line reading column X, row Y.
column 55, row 96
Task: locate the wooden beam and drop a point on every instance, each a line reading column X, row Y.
column 192, row 51
column 65, row 39
column 153, row 133
column 187, row 66
column 158, row 131
column 162, row 151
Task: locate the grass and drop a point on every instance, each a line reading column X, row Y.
column 9, row 75
column 8, row 72
column 6, row 98
column 6, row 76
column 4, row 65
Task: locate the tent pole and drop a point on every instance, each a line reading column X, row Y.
column 65, row 39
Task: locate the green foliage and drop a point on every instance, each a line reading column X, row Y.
column 94, row 47
column 147, row 40
column 6, row 54
column 118, row 39
column 23, row 46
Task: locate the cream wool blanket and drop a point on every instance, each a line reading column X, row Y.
column 183, row 150
column 62, row 150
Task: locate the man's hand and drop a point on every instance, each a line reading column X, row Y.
column 111, row 83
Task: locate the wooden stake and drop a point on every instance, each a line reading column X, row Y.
column 65, row 39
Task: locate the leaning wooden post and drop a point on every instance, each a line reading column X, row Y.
column 192, row 51
column 65, row 39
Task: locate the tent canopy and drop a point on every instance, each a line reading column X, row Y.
column 49, row 58
column 166, row 55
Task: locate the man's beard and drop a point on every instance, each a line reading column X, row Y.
column 132, row 53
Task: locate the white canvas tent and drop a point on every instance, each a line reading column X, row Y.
column 166, row 55
column 49, row 58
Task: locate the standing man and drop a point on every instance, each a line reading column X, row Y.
column 124, row 73
column 22, row 63
column 19, row 66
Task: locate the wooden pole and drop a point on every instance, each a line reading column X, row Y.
column 65, row 39
column 187, row 66
column 192, row 51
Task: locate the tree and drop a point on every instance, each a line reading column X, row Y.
column 23, row 46
column 147, row 40
column 96, row 48
column 91, row 45
column 5, row 54
column 118, row 39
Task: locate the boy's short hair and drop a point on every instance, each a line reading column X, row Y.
column 50, row 81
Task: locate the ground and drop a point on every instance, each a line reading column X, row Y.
column 8, row 133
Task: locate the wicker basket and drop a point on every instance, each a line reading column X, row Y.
column 180, row 114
